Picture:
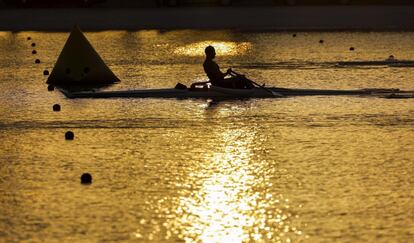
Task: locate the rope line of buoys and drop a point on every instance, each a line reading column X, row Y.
column 86, row 178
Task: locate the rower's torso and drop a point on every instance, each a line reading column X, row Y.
column 212, row 70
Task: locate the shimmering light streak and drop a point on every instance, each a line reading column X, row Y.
column 233, row 203
column 223, row 48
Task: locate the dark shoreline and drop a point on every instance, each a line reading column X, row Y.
column 306, row 18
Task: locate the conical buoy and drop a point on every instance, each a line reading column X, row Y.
column 29, row 38
column 56, row 107
column 86, row 178
column 50, row 87
column 45, row 72
column 80, row 64
column 351, row 48
column 33, row 44
column 69, row 135
column 34, row 52
column 321, row 41
column 37, row 61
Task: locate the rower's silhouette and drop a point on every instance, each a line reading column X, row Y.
column 217, row 78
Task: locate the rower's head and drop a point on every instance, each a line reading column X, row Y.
column 210, row 52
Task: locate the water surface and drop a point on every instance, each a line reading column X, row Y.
column 303, row 169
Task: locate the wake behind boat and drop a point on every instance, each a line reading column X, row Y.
column 390, row 61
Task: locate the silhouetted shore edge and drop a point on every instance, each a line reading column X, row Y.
column 305, row 18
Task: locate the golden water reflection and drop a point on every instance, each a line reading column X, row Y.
column 4, row 33
column 223, row 48
column 234, row 201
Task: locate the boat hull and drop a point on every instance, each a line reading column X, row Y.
column 222, row 93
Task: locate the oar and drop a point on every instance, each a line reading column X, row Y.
column 258, row 85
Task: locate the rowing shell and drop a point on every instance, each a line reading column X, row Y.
column 222, row 93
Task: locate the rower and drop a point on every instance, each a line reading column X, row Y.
column 217, row 78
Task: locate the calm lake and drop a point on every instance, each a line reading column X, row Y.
column 301, row 169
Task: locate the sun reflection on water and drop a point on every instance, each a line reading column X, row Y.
column 234, row 201
column 223, row 48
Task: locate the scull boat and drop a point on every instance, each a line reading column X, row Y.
column 213, row 92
